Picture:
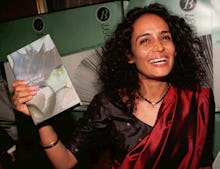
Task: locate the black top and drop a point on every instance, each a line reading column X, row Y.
column 108, row 122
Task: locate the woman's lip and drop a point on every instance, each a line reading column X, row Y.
column 158, row 60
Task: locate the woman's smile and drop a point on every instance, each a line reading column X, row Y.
column 158, row 61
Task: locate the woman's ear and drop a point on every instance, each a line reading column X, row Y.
column 130, row 58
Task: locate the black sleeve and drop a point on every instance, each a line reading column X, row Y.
column 90, row 131
column 6, row 141
column 207, row 155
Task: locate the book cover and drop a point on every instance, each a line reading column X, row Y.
column 39, row 63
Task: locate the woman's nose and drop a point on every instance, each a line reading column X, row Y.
column 158, row 46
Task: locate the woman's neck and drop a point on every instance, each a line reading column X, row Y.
column 153, row 90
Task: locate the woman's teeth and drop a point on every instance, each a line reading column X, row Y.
column 158, row 60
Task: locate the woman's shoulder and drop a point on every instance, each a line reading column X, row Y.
column 106, row 97
column 106, row 102
column 199, row 90
column 201, row 93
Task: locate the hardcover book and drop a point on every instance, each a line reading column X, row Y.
column 39, row 63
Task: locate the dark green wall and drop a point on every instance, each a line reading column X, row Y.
column 72, row 30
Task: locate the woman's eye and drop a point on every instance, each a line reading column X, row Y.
column 166, row 38
column 144, row 41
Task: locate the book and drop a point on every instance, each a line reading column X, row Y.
column 39, row 63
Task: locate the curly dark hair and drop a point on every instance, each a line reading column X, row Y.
column 117, row 74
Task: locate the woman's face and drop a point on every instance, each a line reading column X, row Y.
column 152, row 46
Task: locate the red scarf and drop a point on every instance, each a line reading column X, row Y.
column 178, row 136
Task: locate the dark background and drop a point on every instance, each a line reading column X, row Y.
column 15, row 9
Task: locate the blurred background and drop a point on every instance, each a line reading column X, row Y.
column 14, row 9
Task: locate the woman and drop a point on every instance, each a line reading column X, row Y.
column 152, row 108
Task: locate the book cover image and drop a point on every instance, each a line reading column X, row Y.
column 39, row 63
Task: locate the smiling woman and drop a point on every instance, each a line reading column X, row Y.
column 151, row 55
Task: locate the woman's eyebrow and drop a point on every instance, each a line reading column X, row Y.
column 165, row 31
column 147, row 34
column 142, row 35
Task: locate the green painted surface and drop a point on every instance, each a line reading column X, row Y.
column 72, row 30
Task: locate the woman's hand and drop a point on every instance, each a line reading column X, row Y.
column 23, row 93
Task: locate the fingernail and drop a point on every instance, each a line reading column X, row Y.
column 36, row 88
